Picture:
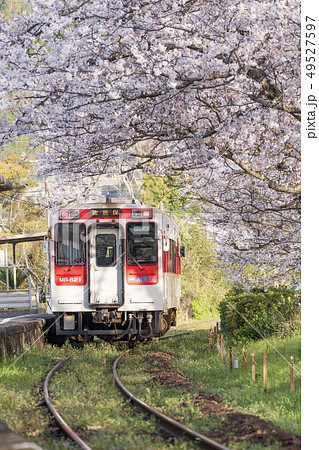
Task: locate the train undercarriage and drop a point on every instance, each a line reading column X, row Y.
column 112, row 325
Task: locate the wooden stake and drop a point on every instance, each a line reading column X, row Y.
column 265, row 370
column 231, row 357
column 222, row 349
column 211, row 339
column 292, row 381
column 244, row 360
column 253, row 368
column 215, row 337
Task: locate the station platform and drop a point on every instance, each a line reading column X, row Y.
column 18, row 331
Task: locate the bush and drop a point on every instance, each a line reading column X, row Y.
column 272, row 312
column 203, row 307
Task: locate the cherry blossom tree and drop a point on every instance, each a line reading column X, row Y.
column 205, row 88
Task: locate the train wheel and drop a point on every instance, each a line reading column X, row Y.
column 54, row 339
column 132, row 343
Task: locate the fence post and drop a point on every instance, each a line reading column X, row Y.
column 244, row 360
column 218, row 343
column 231, row 357
column 292, row 381
column 211, row 340
column 222, row 349
column 265, row 370
column 253, row 368
column 215, row 334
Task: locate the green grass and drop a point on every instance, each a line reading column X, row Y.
column 278, row 405
column 207, row 374
column 83, row 392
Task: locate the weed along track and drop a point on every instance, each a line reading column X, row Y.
column 178, row 385
column 85, row 405
column 186, row 382
column 168, row 422
column 174, row 427
column 182, row 378
column 62, row 424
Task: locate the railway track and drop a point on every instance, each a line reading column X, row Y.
column 169, row 423
column 62, row 424
column 175, row 427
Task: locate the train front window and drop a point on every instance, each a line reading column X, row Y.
column 105, row 250
column 141, row 244
column 70, row 244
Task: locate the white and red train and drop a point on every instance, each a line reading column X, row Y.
column 115, row 271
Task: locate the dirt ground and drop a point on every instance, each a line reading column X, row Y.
column 240, row 426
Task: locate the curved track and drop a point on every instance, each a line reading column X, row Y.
column 62, row 424
column 174, row 426
column 168, row 422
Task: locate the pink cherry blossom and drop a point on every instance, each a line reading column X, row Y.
column 205, row 88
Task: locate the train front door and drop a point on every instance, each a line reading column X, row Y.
column 105, row 267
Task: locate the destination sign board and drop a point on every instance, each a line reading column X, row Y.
column 105, row 212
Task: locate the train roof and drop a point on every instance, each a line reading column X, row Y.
column 110, row 203
column 102, row 202
column 120, row 203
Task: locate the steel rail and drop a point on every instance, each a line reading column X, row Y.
column 168, row 422
column 170, row 336
column 62, row 424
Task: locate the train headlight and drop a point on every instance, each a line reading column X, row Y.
column 69, row 322
column 141, row 213
column 69, row 214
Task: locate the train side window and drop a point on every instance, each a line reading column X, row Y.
column 141, row 243
column 105, row 245
column 172, row 256
column 70, row 244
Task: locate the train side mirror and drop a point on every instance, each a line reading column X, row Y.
column 182, row 251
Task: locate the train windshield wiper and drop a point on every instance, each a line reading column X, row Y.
column 142, row 268
column 77, row 259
